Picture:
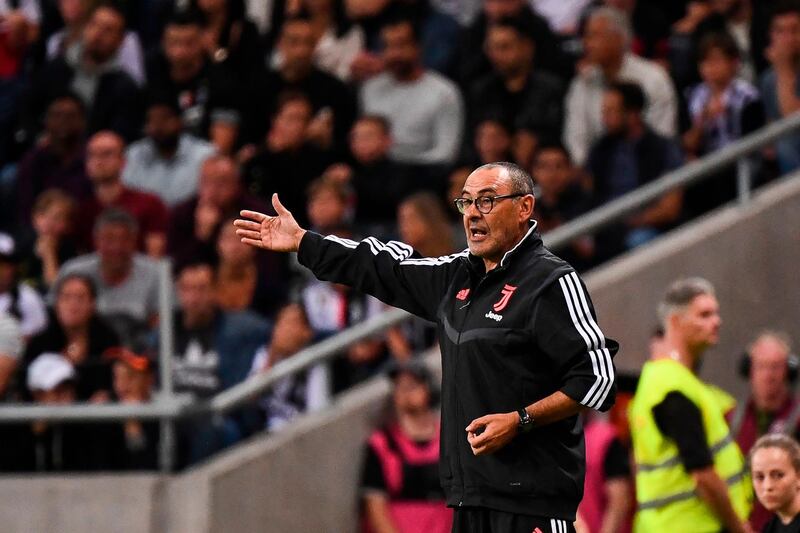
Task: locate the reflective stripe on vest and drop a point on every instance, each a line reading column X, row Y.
column 673, row 461
column 687, row 495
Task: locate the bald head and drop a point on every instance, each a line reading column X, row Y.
column 105, row 157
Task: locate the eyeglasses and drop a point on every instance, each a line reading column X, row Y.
column 484, row 204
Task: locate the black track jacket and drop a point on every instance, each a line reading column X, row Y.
column 508, row 338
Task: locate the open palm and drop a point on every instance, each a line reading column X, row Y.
column 279, row 233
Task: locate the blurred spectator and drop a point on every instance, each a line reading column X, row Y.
column 47, row 242
column 91, row 71
column 608, row 59
column 631, row 154
column 333, row 105
column 608, row 490
column 781, row 83
column 20, row 30
column 246, row 280
column 287, row 152
column 231, row 39
column 11, row 347
column 332, row 308
column 339, row 40
column 181, row 71
column 126, row 281
column 74, row 13
column 492, row 142
column 422, row 224
column 214, row 350
column 473, row 61
column 166, row 162
column 516, row 93
column 400, row 486
column 51, row 379
column 770, row 407
column 379, row 183
column 724, row 106
column 304, row 392
column 430, row 132
column 438, row 32
column 604, row 482
column 16, row 298
column 563, row 16
column 57, row 162
column 105, row 159
column 649, row 23
column 745, row 21
column 194, row 223
column 328, row 207
column 133, row 379
column 80, row 334
column 560, row 197
column 775, row 470
column 722, row 109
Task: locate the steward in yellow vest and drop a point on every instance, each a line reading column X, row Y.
column 691, row 476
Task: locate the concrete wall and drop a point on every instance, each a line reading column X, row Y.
column 750, row 254
column 114, row 504
column 304, row 479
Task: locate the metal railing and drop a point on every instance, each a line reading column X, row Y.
column 169, row 407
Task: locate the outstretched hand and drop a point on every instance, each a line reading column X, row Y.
column 279, row 233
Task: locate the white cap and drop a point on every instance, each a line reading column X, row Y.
column 48, row 371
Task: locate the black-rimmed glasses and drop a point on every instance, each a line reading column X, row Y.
column 484, row 204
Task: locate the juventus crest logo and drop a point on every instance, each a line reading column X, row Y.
column 501, row 304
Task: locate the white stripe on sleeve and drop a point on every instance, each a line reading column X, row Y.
column 593, row 338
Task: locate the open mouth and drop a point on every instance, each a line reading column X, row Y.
column 477, row 234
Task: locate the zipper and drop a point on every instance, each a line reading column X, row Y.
column 459, row 410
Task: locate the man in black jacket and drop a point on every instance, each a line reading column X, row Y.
column 92, row 72
column 522, row 354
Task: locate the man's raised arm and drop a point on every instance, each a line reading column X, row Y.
column 387, row 271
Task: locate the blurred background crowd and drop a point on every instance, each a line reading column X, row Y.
column 136, row 130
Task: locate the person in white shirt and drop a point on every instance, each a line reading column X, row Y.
column 424, row 109
column 18, row 299
column 608, row 59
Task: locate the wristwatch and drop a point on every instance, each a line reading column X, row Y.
column 525, row 421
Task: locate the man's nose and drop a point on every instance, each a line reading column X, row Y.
column 472, row 212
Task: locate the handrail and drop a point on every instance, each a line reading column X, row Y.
column 173, row 406
column 160, row 408
column 169, row 407
column 683, row 176
column 245, row 391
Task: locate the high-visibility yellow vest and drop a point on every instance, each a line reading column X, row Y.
column 665, row 492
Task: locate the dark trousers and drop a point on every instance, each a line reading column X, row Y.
column 481, row 520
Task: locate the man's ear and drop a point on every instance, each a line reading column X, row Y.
column 527, row 204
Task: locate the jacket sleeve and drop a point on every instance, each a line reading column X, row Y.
column 386, row 271
column 566, row 331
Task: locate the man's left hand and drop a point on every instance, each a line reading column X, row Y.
column 489, row 433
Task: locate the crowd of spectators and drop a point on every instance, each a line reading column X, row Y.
column 132, row 131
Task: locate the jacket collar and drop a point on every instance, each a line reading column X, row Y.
column 531, row 238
